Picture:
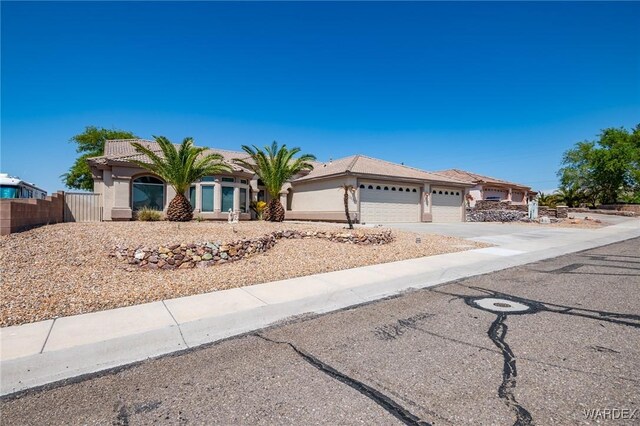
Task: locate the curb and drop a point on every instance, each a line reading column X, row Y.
column 50, row 351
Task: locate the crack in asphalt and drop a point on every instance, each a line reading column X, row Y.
column 388, row 404
column 498, row 330
column 497, row 333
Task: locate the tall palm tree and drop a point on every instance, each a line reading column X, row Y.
column 274, row 166
column 347, row 189
column 180, row 168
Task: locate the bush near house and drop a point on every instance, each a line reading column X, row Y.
column 147, row 214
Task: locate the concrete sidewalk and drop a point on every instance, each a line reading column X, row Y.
column 47, row 351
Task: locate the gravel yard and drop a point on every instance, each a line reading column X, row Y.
column 66, row 269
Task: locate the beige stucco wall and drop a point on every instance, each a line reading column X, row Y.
column 476, row 193
column 115, row 188
column 323, row 195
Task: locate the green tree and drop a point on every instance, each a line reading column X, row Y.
column 180, row 168
column 607, row 169
column 90, row 144
column 275, row 166
column 571, row 196
column 546, row 200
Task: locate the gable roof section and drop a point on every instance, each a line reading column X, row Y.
column 121, row 151
column 363, row 165
column 476, row 178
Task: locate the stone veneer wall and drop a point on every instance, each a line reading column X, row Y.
column 500, row 211
column 621, row 207
column 20, row 214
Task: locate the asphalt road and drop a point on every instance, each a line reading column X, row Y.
column 433, row 356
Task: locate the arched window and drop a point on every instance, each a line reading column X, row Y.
column 414, row 190
column 440, row 192
column 377, row 187
column 400, row 189
column 361, row 186
column 457, row 193
column 371, row 187
column 434, row 191
column 393, row 188
column 446, row 192
column 386, row 188
column 147, row 191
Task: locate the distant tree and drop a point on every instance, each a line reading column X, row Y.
column 607, row 170
column 546, row 200
column 571, row 196
column 180, row 168
column 90, row 144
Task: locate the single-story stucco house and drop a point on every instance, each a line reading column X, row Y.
column 490, row 188
column 383, row 191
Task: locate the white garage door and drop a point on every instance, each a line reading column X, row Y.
column 447, row 204
column 385, row 202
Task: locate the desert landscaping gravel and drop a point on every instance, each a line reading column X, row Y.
column 66, row 269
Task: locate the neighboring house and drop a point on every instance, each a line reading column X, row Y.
column 383, row 191
column 490, row 188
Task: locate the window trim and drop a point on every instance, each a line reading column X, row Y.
column 147, row 175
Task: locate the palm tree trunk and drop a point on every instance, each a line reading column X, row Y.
column 346, row 207
column 179, row 209
column 274, row 212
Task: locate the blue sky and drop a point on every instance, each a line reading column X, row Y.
column 496, row 88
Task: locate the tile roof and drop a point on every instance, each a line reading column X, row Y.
column 121, row 150
column 361, row 164
column 476, row 178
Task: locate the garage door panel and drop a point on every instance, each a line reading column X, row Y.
column 380, row 205
column 446, row 204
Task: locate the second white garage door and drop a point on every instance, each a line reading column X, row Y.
column 447, row 204
column 381, row 203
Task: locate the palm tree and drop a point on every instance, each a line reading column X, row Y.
column 572, row 196
column 347, row 189
column 274, row 166
column 547, row 200
column 180, row 168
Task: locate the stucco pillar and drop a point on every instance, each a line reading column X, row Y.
column 253, row 185
column 198, row 207
column 283, row 199
column 217, row 197
column 171, row 194
column 427, row 198
column 509, row 195
column 236, row 199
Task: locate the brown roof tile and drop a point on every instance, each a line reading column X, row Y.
column 476, row 178
column 361, row 164
column 121, row 150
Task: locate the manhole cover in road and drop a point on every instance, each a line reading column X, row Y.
column 501, row 305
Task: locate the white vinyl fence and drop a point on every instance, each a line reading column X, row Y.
column 82, row 207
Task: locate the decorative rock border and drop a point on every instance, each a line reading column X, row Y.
column 186, row 256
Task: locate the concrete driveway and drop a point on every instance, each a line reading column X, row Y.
column 502, row 234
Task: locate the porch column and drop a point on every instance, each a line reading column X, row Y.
column 510, row 194
column 217, row 197
column 198, row 207
column 236, row 199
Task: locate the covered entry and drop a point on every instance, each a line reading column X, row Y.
column 389, row 202
column 446, row 204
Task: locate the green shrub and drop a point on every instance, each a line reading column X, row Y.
column 148, row 215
